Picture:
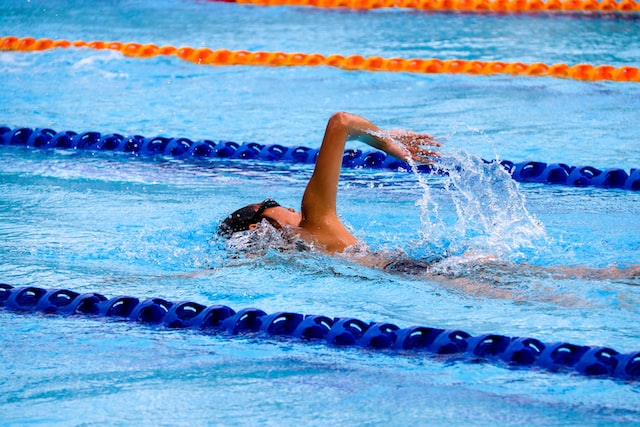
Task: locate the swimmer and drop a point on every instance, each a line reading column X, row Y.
column 317, row 222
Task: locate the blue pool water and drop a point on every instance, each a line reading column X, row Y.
column 117, row 225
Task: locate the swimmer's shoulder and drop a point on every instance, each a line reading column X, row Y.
column 331, row 240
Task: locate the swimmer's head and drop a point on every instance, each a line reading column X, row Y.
column 244, row 218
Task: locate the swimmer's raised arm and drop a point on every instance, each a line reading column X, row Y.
column 319, row 215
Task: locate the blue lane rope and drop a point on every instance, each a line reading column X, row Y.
column 516, row 352
column 184, row 148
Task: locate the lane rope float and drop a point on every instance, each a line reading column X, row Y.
column 514, row 352
column 187, row 149
column 225, row 57
column 486, row 6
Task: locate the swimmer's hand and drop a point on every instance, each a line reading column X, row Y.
column 414, row 146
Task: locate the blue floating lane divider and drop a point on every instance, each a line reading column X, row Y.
column 185, row 149
column 516, row 352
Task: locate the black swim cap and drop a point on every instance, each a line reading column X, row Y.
column 241, row 219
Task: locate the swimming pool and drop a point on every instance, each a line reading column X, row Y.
column 120, row 225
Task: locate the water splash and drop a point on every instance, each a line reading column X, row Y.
column 264, row 238
column 492, row 213
column 471, row 206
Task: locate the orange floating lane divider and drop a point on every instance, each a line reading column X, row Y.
column 511, row 6
column 206, row 56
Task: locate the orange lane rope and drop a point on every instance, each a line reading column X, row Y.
column 510, row 6
column 208, row 56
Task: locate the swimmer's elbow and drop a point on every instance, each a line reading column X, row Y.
column 339, row 120
column 347, row 124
